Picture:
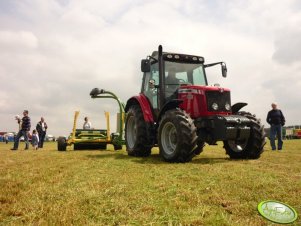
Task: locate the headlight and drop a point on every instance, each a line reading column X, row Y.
column 227, row 106
column 215, row 106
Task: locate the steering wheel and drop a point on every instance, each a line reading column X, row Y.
column 183, row 82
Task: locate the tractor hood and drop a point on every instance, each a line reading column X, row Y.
column 200, row 89
column 200, row 101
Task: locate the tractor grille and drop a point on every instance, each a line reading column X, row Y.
column 218, row 97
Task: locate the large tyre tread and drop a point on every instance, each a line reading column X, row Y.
column 255, row 143
column 187, row 136
column 142, row 148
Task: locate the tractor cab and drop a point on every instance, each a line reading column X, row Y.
column 167, row 76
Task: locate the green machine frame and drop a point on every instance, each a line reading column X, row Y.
column 117, row 139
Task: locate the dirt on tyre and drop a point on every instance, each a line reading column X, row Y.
column 61, row 144
column 136, row 140
column 177, row 136
column 250, row 148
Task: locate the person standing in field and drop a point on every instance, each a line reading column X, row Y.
column 276, row 120
column 87, row 124
column 35, row 140
column 24, row 125
column 41, row 129
column 6, row 138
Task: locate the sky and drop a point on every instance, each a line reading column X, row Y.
column 54, row 52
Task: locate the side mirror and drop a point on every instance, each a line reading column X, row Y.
column 224, row 70
column 145, row 65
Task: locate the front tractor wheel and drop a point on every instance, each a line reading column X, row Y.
column 250, row 148
column 136, row 133
column 177, row 136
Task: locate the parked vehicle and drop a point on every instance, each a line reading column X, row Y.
column 49, row 137
column 180, row 117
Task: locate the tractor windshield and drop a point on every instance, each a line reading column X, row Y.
column 180, row 73
column 184, row 73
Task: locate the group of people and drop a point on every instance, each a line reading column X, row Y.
column 38, row 134
column 275, row 118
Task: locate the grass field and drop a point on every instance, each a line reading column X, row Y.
column 47, row 187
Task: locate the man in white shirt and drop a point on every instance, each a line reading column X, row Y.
column 41, row 128
column 87, row 124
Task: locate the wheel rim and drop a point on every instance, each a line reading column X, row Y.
column 238, row 146
column 169, row 138
column 131, row 132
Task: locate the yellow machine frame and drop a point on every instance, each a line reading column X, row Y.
column 86, row 136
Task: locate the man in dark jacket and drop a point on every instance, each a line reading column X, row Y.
column 41, row 128
column 276, row 119
column 23, row 132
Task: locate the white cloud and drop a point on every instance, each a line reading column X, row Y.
column 17, row 40
column 287, row 44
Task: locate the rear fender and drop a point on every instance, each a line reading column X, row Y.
column 142, row 101
column 236, row 107
column 175, row 103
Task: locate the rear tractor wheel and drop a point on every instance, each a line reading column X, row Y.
column 136, row 140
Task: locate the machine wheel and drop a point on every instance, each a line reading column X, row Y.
column 177, row 136
column 250, row 148
column 116, row 146
column 135, row 133
column 61, row 144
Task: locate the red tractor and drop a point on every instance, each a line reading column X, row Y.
column 177, row 111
